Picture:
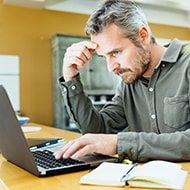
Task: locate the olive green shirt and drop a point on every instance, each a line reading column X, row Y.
column 151, row 116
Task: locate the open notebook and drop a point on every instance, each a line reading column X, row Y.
column 38, row 160
column 153, row 174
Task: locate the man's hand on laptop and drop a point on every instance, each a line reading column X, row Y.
column 99, row 143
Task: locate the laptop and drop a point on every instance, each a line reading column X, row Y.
column 37, row 159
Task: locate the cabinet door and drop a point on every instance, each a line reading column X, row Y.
column 97, row 79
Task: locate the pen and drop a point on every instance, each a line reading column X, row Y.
column 125, row 177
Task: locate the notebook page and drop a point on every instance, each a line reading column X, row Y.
column 160, row 171
column 106, row 174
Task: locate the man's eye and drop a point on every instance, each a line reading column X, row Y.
column 115, row 53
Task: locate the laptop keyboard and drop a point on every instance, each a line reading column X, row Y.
column 46, row 159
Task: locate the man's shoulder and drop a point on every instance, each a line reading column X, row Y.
column 185, row 48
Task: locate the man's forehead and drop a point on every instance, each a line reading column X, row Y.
column 110, row 38
column 103, row 45
column 108, row 46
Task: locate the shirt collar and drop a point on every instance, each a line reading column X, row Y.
column 173, row 51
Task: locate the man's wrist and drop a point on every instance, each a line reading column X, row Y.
column 68, row 78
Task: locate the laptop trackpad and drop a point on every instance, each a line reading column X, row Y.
column 96, row 159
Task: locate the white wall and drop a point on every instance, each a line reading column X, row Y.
column 10, row 78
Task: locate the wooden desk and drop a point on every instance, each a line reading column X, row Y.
column 18, row 179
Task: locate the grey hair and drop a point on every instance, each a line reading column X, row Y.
column 123, row 13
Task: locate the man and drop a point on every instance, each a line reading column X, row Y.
column 149, row 117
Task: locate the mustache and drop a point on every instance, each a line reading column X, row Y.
column 120, row 71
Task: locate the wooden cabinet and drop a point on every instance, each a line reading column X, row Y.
column 98, row 82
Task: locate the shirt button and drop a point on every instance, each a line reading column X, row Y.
column 153, row 116
column 163, row 65
column 64, row 89
column 73, row 87
column 151, row 89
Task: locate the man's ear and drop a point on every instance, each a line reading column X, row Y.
column 143, row 35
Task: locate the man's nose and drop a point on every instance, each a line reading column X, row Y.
column 112, row 66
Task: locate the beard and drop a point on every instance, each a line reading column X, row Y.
column 141, row 64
